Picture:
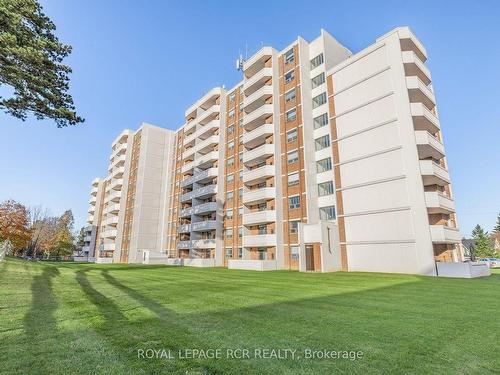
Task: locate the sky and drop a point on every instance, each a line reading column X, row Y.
column 148, row 61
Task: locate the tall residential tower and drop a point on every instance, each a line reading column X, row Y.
column 319, row 159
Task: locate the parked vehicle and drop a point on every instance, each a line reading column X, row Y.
column 491, row 262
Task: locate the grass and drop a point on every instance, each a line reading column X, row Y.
column 63, row 318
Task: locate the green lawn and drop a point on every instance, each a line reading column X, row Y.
column 91, row 319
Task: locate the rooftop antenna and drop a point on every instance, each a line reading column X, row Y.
column 240, row 60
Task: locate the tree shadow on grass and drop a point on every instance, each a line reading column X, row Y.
column 39, row 323
column 165, row 331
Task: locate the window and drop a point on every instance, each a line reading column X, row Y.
column 230, row 161
column 318, row 80
column 240, row 193
column 240, row 123
column 240, row 139
column 262, row 228
column 240, row 252
column 293, row 226
column 294, row 252
column 232, row 96
column 317, row 61
column 241, row 175
column 290, row 76
column 230, row 146
column 230, row 178
column 231, row 113
column 291, row 135
column 325, row 188
column 229, row 196
column 291, row 115
column 240, row 211
column 324, row 165
column 293, row 179
column 290, row 95
column 229, row 252
column 319, row 100
column 327, row 213
column 240, row 232
column 292, row 157
column 289, row 56
column 229, row 233
column 262, row 206
column 320, row 121
column 229, row 214
column 322, row 142
column 240, row 156
column 230, row 129
column 294, row 202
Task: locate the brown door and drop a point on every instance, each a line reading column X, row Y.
column 309, row 258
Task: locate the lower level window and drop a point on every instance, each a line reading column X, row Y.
column 294, row 252
column 327, row 213
column 229, row 252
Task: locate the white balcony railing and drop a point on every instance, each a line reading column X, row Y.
column 200, row 176
column 260, row 217
column 442, row 234
column 258, row 174
column 433, row 174
column 259, row 195
column 259, row 240
column 423, row 119
column 428, row 145
column 258, row 154
column 258, row 135
column 204, row 225
column 420, row 93
column 415, row 67
column 439, row 203
column 258, row 117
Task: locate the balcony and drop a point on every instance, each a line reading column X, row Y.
column 259, row 217
column 259, row 195
column 423, row 119
column 258, row 135
column 428, row 146
column 202, row 192
column 118, row 172
column 112, row 209
column 203, row 244
column 115, row 195
column 409, row 42
column 420, row 93
column 108, row 246
column 433, row 174
column 91, row 209
column 119, row 160
column 189, row 152
column 258, row 98
column 184, row 244
column 199, row 209
column 415, row 67
column 259, row 240
column 94, row 190
column 189, row 138
column 257, row 117
column 208, row 115
column 208, row 129
column 441, row 234
column 258, row 155
column 109, row 233
column 258, row 80
column 115, row 184
column 90, row 219
column 255, row 63
column 203, row 176
column 439, row 203
column 112, row 220
column 187, row 167
column 207, row 159
column 93, row 200
column 258, row 174
column 207, row 144
column 184, row 228
column 201, row 226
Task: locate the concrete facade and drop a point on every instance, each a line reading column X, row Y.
column 318, row 160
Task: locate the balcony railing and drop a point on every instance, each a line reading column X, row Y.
column 442, row 234
column 260, row 217
column 423, row 119
column 259, row 195
column 199, row 209
column 260, row 240
column 204, row 225
column 420, row 93
column 439, row 203
column 200, row 176
column 258, row 174
column 428, row 145
column 433, row 174
column 258, row 154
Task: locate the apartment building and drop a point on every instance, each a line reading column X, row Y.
column 318, row 160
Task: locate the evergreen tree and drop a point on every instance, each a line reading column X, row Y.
column 496, row 230
column 31, row 65
column 482, row 248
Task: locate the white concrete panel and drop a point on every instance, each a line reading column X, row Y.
column 371, row 63
column 398, row 257
column 386, row 226
column 376, row 197
column 374, row 168
column 363, row 92
column 365, row 117
column 369, row 142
